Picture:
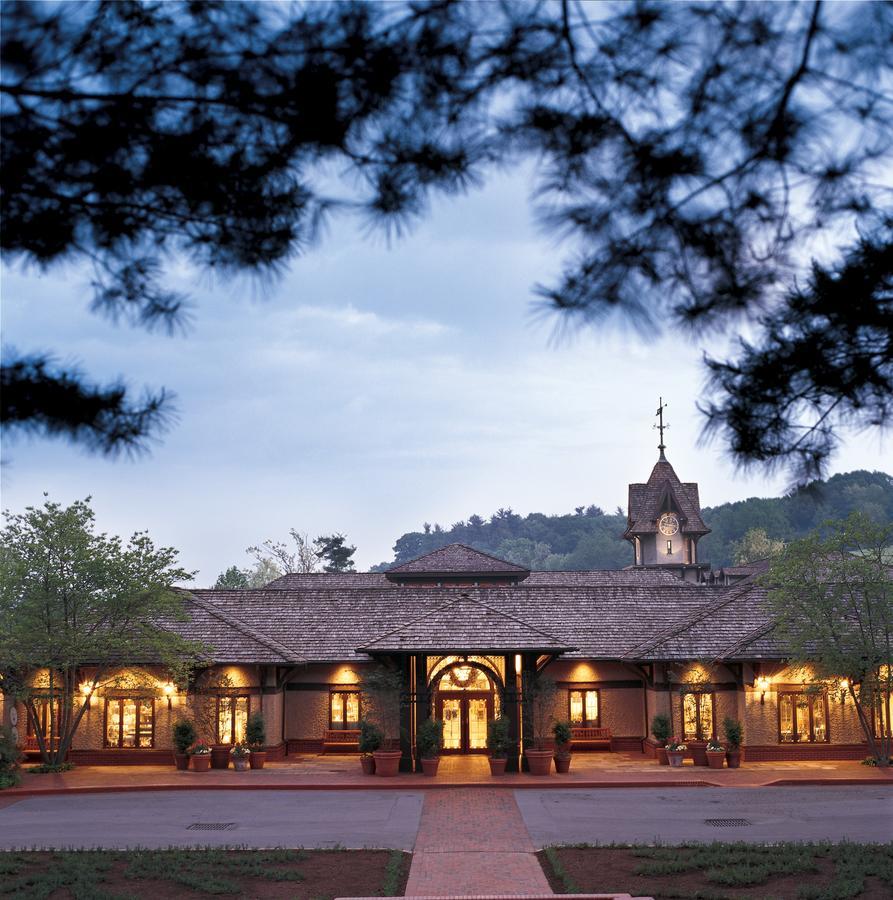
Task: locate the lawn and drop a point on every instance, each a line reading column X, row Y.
column 171, row 874
column 725, row 871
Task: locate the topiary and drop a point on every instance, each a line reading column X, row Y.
column 184, row 735
column 498, row 737
column 563, row 734
column 734, row 732
column 660, row 728
column 428, row 738
column 256, row 730
column 370, row 737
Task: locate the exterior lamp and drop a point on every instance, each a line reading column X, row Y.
column 517, row 663
column 168, row 690
column 844, row 687
column 87, row 691
column 762, row 687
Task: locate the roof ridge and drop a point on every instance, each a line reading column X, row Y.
column 244, row 627
column 509, row 615
column 470, row 549
column 408, row 622
column 751, row 636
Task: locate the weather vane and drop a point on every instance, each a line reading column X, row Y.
column 660, row 426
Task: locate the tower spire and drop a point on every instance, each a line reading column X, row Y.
column 660, row 427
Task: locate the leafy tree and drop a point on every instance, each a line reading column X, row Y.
column 334, row 553
column 755, row 544
column 74, row 601
column 262, row 573
column 302, row 557
column 232, row 578
column 684, row 149
column 832, row 598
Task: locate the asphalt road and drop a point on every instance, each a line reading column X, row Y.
column 391, row 818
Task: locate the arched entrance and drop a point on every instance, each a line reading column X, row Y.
column 465, row 700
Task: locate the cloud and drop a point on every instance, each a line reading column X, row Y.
column 371, row 324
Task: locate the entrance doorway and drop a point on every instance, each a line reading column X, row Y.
column 465, row 700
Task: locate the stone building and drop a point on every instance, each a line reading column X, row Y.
column 464, row 630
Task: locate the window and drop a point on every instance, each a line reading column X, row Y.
column 697, row 716
column 883, row 715
column 47, row 716
column 584, row 707
column 129, row 722
column 669, row 548
column 232, row 719
column 802, row 718
column 344, row 710
column 638, row 546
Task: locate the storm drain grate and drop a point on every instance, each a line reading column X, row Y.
column 211, row 826
column 726, row 823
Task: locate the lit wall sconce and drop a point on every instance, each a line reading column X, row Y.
column 168, row 690
column 762, row 687
column 517, row 663
column 87, row 692
column 844, row 687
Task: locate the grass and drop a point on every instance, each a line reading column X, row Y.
column 116, row 875
column 718, row 871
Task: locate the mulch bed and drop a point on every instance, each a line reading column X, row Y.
column 725, row 872
column 175, row 874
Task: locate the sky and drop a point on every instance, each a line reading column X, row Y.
column 373, row 387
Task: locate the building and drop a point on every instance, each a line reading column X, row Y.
column 464, row 630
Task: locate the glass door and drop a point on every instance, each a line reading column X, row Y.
column 465, row 721
column 451, row 716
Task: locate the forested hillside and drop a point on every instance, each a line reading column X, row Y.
column 589, row 538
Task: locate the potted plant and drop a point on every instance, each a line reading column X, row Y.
column 220, row 756
column 256, row 739
column 675, row 751
column 184, row 737
column 698, row 750
column 660, row 728
column 240, row 753
column 539, row 700
column 428, row 738
column 716, row 754
column 561, row 731
column 201, row 757
column 734, row 733
column 369, row 742
column 385, row 687
column 498, row 744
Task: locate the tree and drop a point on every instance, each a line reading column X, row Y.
column 262, row 573
column 755, row 545
column 232, row 578
column 75, row 606
column 831, row 596
column 335, row 555
column 698, row 156
column 302, row 558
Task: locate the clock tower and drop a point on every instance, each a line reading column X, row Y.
column 664, row 521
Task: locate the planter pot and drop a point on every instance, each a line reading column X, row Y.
column 733, row 758
column 716, row 758
column 387, row 762
column 675, row 758
column 429, row 766
column 240, row 763
column 540, row 761
column 258, row 758
column 220, row 757
column 662, row 755
column 367, row 763
column 698, row 753
column 497, row 766
column 201, row 762
column 563, row 764
column 182, row 761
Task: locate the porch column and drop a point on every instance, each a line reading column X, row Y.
column 528, row 670
column 406, row 704
column 511, row 710
column 422, row 697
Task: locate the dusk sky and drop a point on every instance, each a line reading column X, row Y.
column 371, row 388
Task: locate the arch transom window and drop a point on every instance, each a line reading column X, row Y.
column 464, row 678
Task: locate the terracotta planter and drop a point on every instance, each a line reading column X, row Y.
column 220, row 757
column 733, row 758
column 497, row 765
column 387, row 762
column 661, row 753
column 367, row 764
column 698, row 752
column 716, row 758
column 258, row 758
column 675, row 758
column 540, row 761
column 240, row 763
column 429, row 766
column 181, row 760
column 562, row 763
column 201, row 762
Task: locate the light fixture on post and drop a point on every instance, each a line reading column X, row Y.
column 168, row 690
column 762, row 687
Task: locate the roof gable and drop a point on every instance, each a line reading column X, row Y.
column 457, row 560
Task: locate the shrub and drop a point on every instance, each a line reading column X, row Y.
column 9, row 759
column 734, row 732
column 660, row 728
column 184, row 735
column 562, row 732
column 428, row 738
column 370, row 737
column 256, row 730
column 498, row 737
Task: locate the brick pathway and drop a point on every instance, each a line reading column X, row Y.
column 474, row 842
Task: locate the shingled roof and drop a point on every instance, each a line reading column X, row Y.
column 646, row 500
column 457, row 559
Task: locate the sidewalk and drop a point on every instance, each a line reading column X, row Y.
column 335, row 772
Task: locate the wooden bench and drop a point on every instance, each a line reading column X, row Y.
column 591, row 738
column 345, row 740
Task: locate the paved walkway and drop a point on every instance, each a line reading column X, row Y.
column 474, row 843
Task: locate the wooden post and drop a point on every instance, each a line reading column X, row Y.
column 511, row 710
column 406, row 703
column 422, row 697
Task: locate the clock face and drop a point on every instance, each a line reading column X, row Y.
column 668, row 524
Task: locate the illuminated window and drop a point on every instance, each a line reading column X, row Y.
column 883, row 715
column 464, row 678
column 130, row 722
column 802, row 718
column 344, row 710
column 583, row 707
column 232, row 719
column 697, row 716
column 669, row 548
